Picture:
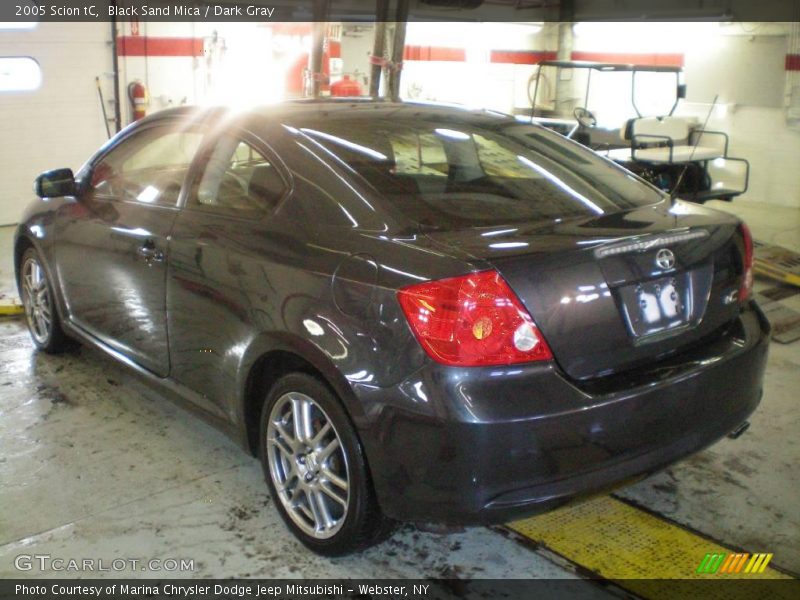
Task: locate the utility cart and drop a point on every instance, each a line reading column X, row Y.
column 665, row 149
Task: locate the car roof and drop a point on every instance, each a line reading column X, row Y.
column 332, row 107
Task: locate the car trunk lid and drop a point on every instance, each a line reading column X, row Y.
column 612, row 292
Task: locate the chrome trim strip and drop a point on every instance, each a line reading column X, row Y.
column 649, row 243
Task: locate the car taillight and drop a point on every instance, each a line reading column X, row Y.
column 473, row 320
column 746, row 288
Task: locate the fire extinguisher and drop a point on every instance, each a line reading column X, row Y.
column 139, row 98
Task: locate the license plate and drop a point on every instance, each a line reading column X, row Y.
column 658, row 305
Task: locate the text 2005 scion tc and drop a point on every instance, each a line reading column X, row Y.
column 407, row 312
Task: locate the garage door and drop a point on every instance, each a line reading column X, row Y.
column 50, row 114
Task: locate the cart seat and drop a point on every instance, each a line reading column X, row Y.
column 665, row 140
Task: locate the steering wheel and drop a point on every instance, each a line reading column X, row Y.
column 584, row 117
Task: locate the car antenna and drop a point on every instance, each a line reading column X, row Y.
column 674, row 192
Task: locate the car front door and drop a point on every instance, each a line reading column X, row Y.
column 112, row 241
column 227, row 256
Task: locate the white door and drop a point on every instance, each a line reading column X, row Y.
column 60, row 122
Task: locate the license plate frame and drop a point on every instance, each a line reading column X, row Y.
column 658, row 306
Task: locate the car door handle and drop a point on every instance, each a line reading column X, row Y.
column 150, row 253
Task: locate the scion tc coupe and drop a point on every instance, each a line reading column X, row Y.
column 407, row 312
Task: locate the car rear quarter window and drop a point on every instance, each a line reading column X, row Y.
column 451, row 174
column 323, row 195
column 237, row 179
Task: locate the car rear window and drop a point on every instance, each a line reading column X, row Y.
column 451, row 175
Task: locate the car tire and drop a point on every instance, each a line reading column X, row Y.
column 39, row 302
column 306, row 468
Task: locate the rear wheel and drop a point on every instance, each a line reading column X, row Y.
column 315, row 468
column 38, row 300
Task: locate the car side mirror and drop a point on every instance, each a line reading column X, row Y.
column 682, row 91
column 56, row 183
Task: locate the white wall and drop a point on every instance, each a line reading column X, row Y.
column 170, row 81
column 477, row 81
column 357, row 42
column 60, row 124
column 245, row 66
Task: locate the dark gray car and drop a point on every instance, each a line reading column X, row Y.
column 407, row 312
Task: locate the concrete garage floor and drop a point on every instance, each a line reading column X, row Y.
column 94, row 464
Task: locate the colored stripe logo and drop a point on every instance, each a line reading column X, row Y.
column 739, row 562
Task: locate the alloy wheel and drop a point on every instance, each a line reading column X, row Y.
column 308, row 465
column 36, row 301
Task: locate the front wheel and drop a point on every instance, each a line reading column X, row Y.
column 38, row 301
column 316, row 470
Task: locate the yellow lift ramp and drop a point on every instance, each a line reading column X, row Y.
column 636, row 551
column 10, row 307
column 777, row 262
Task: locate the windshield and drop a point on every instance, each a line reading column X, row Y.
column 454, row 174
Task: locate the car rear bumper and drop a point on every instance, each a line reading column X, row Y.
column 486, row 445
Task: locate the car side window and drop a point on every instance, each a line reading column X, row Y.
column 148, row 168
column 238, row 179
